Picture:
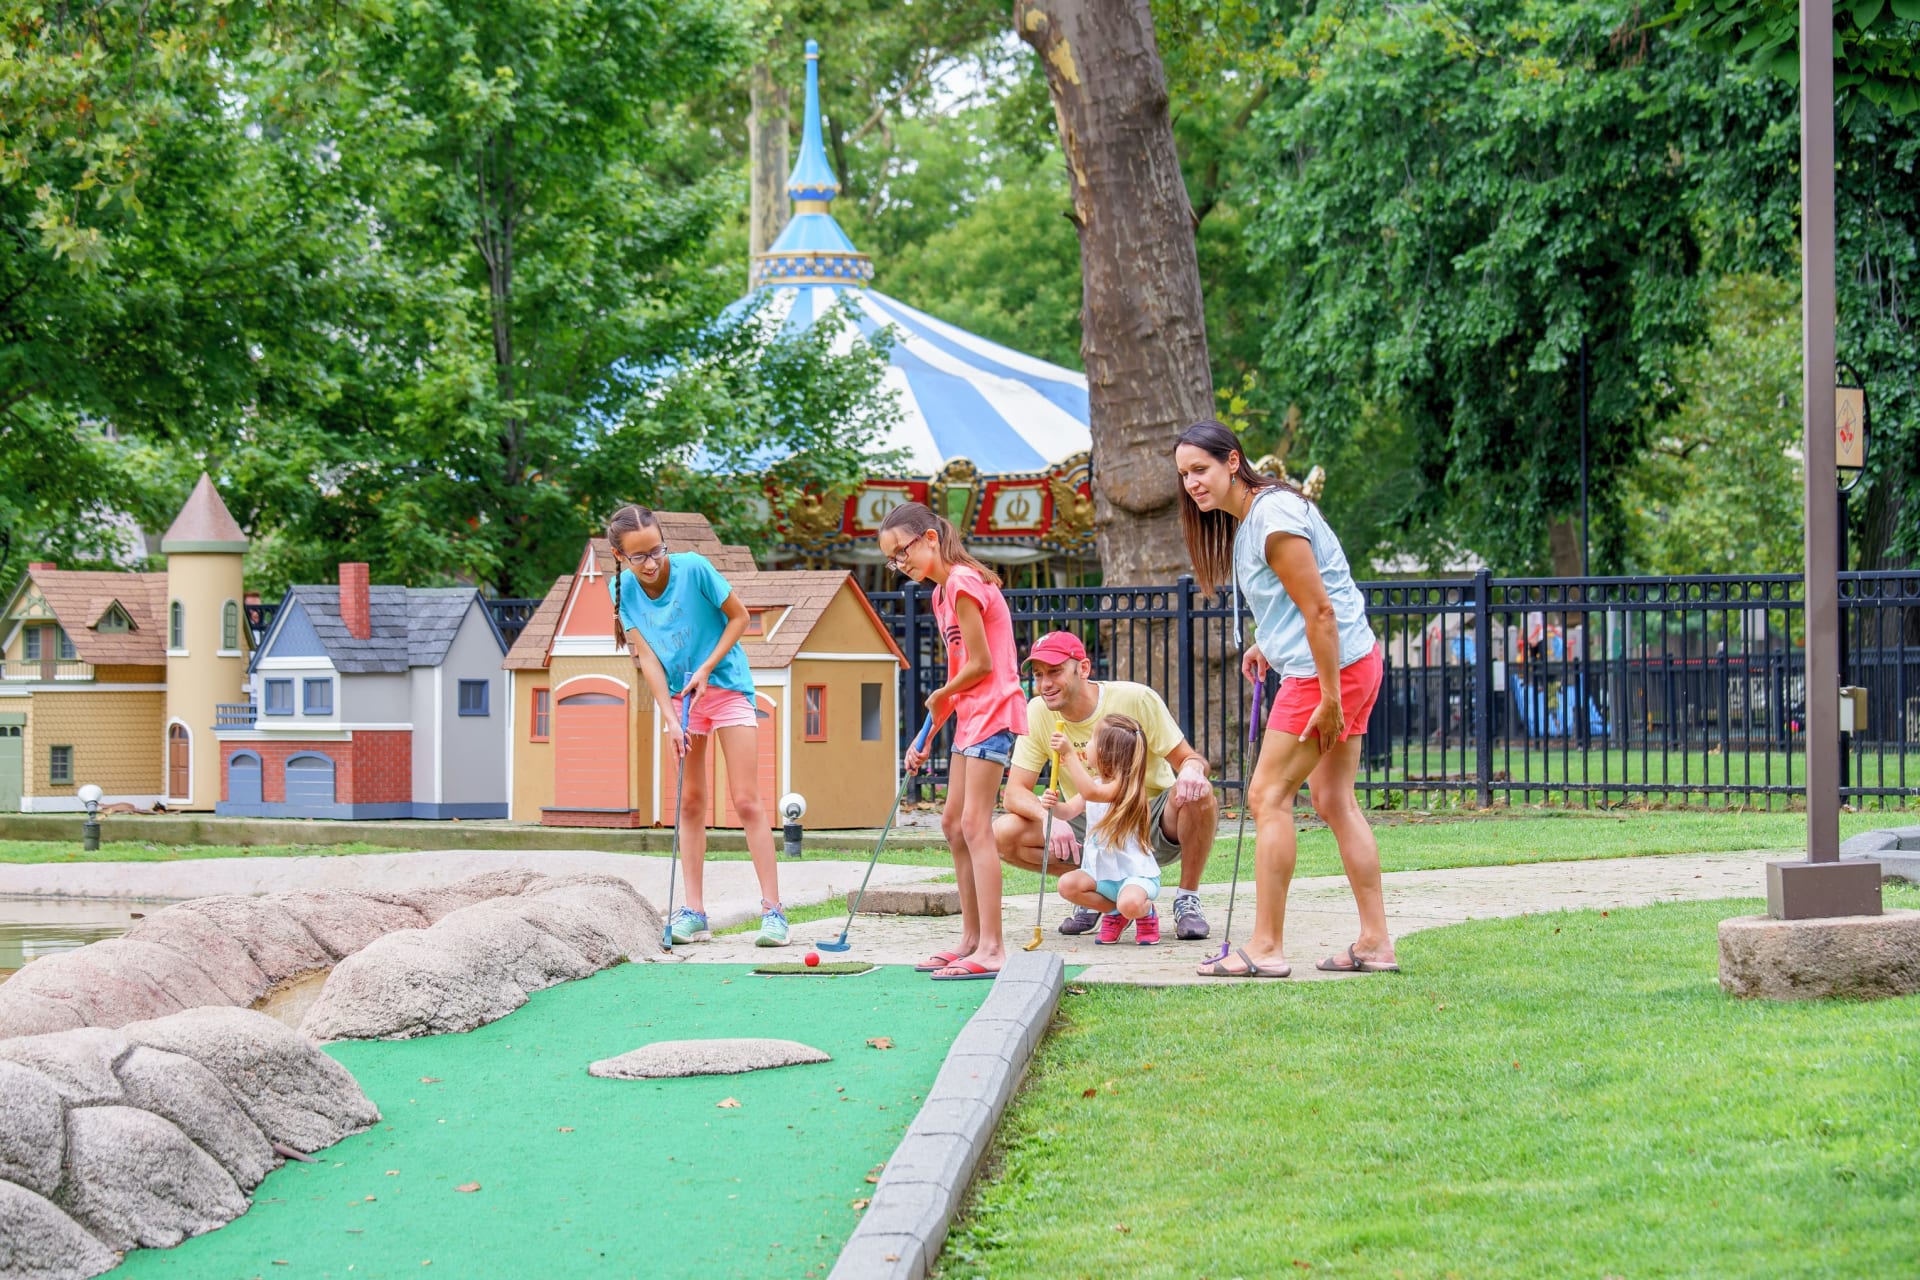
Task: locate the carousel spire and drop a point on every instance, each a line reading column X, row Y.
column 813, row 249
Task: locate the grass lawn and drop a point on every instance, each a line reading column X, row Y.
column 138, row 851
column 1565, row 1094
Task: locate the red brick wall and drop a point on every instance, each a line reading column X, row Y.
column 376, row 767
column 621, row 818
column 354, row 602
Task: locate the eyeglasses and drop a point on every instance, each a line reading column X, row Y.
column 901, row 558
column 645, row 557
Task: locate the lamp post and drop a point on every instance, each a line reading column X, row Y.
column 90, row 829
column 793, row 807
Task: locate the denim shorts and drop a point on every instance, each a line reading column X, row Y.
column 998, row 748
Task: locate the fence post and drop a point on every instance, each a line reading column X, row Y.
column 1483, row 686
column 1183, row 642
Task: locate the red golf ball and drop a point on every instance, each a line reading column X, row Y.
column 813, row 958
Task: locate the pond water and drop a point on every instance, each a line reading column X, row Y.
column 32, row 927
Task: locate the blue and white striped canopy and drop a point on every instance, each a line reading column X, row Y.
column 959, row 394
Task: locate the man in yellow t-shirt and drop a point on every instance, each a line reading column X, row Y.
column 1185, row 812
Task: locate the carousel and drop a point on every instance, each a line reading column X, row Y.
column 994, row 439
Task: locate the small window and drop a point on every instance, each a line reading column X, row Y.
column 176, row 626
column 814, row 707
column 115, row 622
column 316, row 697
column 870, row 713
column 32, row 642
column 60, row 766
column 230, row 625
column 65, row 642
column 473, row 697
column 542, row 714
column 756, row 622
column 279, row 698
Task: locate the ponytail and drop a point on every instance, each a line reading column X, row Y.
column 628, row 519
column 1120, row 751
column 1209, row 534
column 915, row 518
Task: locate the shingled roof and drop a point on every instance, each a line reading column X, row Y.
column 408, row 626
column 529, row 652
column 80, row 597
column 204, row 524
column 806, row 593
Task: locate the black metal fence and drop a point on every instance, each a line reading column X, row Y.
column 1584, row 691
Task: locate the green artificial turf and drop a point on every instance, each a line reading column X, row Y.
column 825, row 969
column 580, row 1177
column 1568, row 1094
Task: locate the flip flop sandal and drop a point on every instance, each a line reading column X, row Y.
column 1252, row 970
column 966, row 971
column 938, row 960
column 1355, row 963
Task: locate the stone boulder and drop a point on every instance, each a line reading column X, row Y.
column 40, row 1242
column 133, row 1179
column 112, row 1139
column 25, row 1013
column 297, row 1095
column 671, row 1059
column 480, row 962
column 343, row 921
column 273, row 935
column 119, row 980
column 436, row 902
column 220, row 955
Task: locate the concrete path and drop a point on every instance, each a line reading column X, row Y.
column 1320, row 915
column 733, row 895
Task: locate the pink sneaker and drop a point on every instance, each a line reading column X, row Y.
column 1146, row 930
column 1112, row 925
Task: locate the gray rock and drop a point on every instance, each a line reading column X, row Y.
column 273, row 936
column 602, row 917
column 211, row 946
column 911, row 900
column 436, row 902
column 192, row 1097
column 39, row 1242
column 33, row 1130
column 344, row 921
column 670, row 1059
column 134, row 1179
column 296, row 1094
column 471, row 968
column 105, row 985
column 23, row 1013
column 79, row 1064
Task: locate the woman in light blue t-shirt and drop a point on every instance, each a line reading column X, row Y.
column 1267, row 539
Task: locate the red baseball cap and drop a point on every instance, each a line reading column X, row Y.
column 1057, row 646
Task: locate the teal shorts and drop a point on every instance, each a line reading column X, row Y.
column 1110, row 889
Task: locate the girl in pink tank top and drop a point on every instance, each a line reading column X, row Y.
column 982, row 694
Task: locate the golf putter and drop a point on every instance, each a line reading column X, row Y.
column 1046, row 837
column 919, row 744
column 679, row 786
column 1253, row 740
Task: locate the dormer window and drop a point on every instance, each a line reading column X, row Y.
column 756, row 622
column 114, row 621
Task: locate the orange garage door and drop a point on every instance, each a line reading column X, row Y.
column 590, row 747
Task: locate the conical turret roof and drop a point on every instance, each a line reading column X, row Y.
column 204, row 524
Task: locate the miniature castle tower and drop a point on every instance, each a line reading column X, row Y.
column 206, row 641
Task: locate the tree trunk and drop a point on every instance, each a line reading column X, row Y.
column 1563, row 546
column 1144, row 339
column 767, row 143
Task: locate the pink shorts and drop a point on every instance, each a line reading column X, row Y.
column 719, row 709
column 1299, row 695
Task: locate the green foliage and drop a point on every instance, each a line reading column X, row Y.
column 1719, row 489
column 1454, row 201
column 1873, row 44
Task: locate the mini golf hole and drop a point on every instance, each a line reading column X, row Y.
column 825, row 969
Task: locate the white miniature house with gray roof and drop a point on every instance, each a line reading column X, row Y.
column 370, row 702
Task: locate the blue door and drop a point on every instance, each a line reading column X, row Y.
column 243, row 779
column 310, row 782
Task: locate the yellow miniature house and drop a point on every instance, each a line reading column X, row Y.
column 111, row 678
column 588, row 743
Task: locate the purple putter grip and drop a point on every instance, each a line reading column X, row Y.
column 1259, row 701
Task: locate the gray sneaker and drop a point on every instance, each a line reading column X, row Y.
column 1188, row 924
column 1083, row 920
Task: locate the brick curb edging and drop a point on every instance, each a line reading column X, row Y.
column 920, row 1191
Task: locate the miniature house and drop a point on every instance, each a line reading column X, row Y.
column 589, row 745
column 370, row 702
column 111, row 678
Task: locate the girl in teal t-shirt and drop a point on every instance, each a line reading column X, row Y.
column 682, row 622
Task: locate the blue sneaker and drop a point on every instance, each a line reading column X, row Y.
column 688, row 925
column 773, row 926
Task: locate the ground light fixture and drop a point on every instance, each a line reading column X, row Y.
column 793, row 807
column 90, row 829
